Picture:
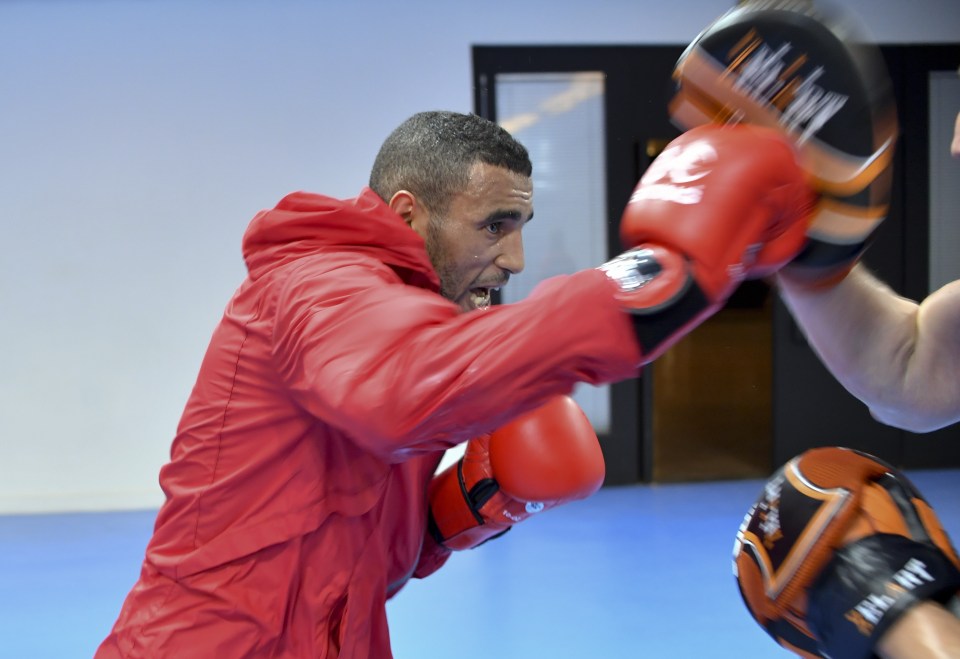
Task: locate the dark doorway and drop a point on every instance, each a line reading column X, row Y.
column 743, row 392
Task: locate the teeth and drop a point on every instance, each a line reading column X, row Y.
column 480, row 298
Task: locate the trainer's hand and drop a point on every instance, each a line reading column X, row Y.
column 720, row 204
column 837, row 548
column 811, row 72
column 540, row 460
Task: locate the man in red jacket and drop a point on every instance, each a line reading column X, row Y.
column 358, row 350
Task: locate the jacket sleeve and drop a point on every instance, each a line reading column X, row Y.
column 402, row 370
column 433, row 556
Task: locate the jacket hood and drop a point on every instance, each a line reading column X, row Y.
column 304, row 224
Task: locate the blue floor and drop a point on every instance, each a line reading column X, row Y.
column 633, row 572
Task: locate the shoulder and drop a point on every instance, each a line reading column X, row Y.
column 333, row 273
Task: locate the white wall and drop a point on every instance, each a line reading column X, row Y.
column 138, row 138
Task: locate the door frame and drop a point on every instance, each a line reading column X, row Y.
column 809, row 407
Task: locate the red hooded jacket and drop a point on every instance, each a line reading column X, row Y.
column 332, row 385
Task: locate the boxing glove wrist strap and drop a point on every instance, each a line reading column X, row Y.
column 633, row 269
column 659, row 291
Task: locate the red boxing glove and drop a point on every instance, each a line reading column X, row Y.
column 545, row 458
column 811, row 70
column 719, row 205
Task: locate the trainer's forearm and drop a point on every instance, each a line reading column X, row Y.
column 867, row 336
column 928, row 631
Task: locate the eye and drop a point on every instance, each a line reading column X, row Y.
column 494, row 228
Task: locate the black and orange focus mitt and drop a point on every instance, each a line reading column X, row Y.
column 809, row 69
column 837, row 547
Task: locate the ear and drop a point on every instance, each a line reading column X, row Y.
column 402, row 203
column 405, row 204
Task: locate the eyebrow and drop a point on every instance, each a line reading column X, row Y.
column 499, row 215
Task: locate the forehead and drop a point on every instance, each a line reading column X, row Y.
column 490, row 187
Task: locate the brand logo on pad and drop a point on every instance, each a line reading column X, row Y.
column 872, row 608
column 763, row 73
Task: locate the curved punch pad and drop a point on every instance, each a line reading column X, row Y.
column 819, row 502
column 804, row 67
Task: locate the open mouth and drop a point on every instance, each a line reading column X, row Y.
column 480, row 297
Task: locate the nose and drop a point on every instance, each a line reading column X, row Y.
column 510, row 257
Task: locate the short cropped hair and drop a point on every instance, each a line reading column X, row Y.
column 431, row 155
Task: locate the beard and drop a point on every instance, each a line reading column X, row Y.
column 440, row 259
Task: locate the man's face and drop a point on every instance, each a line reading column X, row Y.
column 477, row 244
